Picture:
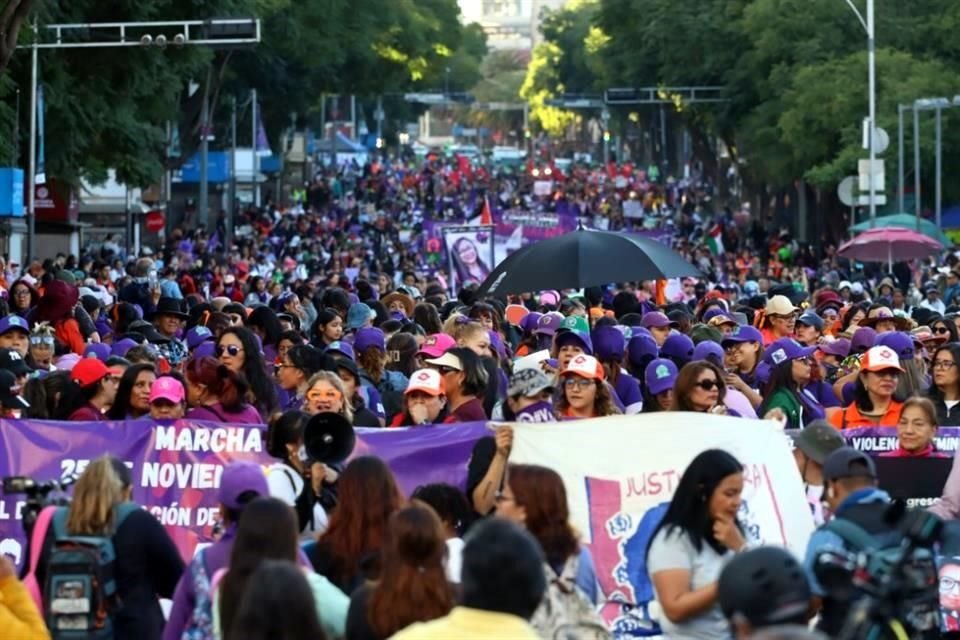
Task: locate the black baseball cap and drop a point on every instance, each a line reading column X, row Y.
column 12, row 361
column 9, row 398
column 847, row 462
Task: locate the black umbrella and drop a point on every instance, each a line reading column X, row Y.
column 585, row 258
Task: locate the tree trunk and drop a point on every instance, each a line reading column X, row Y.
column 12, row 16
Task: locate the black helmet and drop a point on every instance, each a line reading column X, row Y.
column 767, row 586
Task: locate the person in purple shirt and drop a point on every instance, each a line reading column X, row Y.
column 609, row 345
column 530, row 397
column 240, row 484
column 216, row 393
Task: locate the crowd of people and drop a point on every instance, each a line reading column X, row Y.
column 332, row 308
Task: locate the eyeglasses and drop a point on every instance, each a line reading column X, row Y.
column 231, row 350
column 278, row 367
column 707, row 385
column 328, row 395
column 445, row 370
column 948, row 584
column 47, row 340
column 21, row 292
column 943, row 364
column 579, row 383
column 940, row 329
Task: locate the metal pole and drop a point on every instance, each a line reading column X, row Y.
column 916, row 165
column 254, row 180
column 16, row 134
column 202, row 205
column 379, row 118
column 938, row 192
column 872, row 72
column 32, row 169
column 232, row 192
column 900, row 178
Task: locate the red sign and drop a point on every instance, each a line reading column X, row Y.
column 155, row 221
column 55, row 202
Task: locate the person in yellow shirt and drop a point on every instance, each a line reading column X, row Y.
column 19, row 618
column 503, row 583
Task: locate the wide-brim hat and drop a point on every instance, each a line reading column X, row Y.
column 402, row 298
column 170, row 307
column 883, row 313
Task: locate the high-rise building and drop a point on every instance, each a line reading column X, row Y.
column 510, row 24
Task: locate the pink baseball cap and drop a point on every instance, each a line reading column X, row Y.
column 436, row 344
column 167, row 388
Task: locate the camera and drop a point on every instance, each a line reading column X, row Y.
column 39, row 495
column 892, row 581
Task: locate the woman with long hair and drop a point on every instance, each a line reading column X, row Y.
column 239, row 349
column 791, row 366
column 23, row 297
column 536, row 498
column 583, row 391
column 699, row 532
column 425, row 315
column 413, row 585
column 264, row 323
column 913, row 381
column 349, row 550
column 743, row 351
column 466, row 258
column 327, row 328
column 371, row 357
column 217, row 393
column 944, row 329
column 277, row 585
column 700, row 388
column 147, row 565
column 268, row 531
column 133, row 393
column 357, row 395
column 326, row 394
column 660, row 377
column 945, row 390
column 873, row 403
column 609, row 347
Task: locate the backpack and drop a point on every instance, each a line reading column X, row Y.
column 80, row 590
column 200, row 625
column 565, row 612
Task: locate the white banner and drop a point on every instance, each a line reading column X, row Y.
column 619, row 470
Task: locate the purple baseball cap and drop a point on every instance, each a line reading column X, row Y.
column 712, row 312
column 198, row 335
column 641, row 346
column 120, row 347
column 549, row 323
column 579, row 338
column 863, row 339
column 786, row 349
column 206, row 349
column 899, row 341
column 657, row 319
column 678, row 347
column 530, row 321
column 370, row 337
column 743, row 333
column 10, row 322
column 660, row 375
column 97, row 350
column 710, row 351
column 609, row 343
column 839, row 347
column 239, row 478
column 343, row 348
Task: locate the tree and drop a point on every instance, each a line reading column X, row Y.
column 12, row 17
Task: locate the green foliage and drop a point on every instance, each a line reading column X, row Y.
column 108, row 108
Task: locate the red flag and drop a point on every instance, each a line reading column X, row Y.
column 486, row 217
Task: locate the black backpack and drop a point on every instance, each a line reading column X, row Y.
column 80, row 590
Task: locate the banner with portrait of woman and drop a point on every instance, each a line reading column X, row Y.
column 470, row 253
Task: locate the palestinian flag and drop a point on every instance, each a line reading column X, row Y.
column 715, row 240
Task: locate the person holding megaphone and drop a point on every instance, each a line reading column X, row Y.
column 309, row 448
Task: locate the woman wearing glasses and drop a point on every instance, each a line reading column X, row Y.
column 240, row 351
column 944, row 329
column 583, row 392
column 874, row 403
column 296, row 367
column 945, row 390
column 326, row 394
column 216, row 393
column 791, row 367
column 700, row 388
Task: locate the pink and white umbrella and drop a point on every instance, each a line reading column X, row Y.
column 887, row 243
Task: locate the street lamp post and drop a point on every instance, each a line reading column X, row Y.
column 869, row 28
column 900, row 171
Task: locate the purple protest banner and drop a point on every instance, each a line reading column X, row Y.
column 877, row 441
column 176, row 467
